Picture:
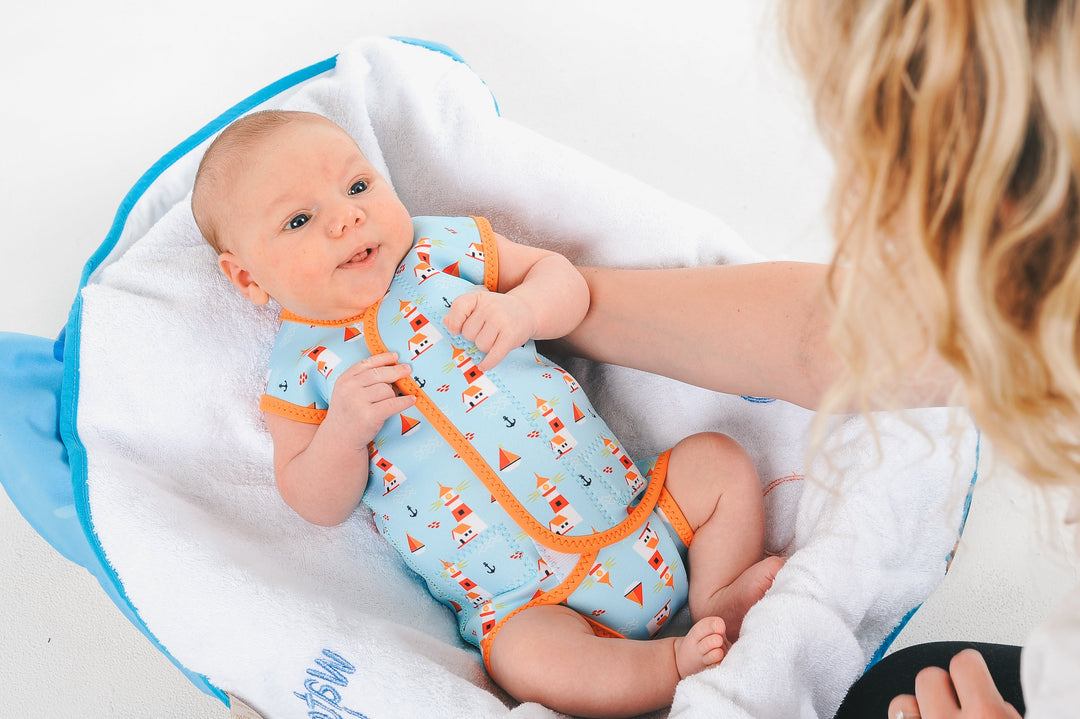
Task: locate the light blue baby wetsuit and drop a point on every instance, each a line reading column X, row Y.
column 502, row 489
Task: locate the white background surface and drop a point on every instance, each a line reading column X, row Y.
column 693, row 101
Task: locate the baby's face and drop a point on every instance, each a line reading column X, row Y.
column 308, row 221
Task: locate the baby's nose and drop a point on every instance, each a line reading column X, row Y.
column 349, row 216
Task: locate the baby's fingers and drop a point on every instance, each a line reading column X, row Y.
column 387, row 408
column 460, row 310
column 377, row 369
column 499, row 349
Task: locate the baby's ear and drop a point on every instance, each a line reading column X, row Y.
column 241, row 278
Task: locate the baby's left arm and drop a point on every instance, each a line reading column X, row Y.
column 541, row 296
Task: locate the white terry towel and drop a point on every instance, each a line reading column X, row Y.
column 302, row 621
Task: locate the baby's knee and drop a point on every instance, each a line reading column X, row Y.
column 520, row 659
column 718, row 451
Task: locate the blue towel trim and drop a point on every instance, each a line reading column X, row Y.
column 431, row 45
column 69, row 342
column 880, row 653
column 970, row 494
column 449, row 52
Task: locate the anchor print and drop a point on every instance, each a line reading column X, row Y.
column 490, row 569
column 509, row 422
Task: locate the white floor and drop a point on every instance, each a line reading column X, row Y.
column 694, row 101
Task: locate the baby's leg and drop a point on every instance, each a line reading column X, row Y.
column 550, row 655
column 715, row 484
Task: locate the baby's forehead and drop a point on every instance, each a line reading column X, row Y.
column 298, row 136
column 235, row 159
column 238, row 158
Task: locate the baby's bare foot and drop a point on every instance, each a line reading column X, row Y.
column 734, row 601
column 702, row 647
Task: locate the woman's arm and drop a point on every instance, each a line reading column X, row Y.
column 756, row 329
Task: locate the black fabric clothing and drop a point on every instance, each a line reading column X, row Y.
column 869, row 697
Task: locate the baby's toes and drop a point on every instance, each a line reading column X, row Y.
column 713, row 649
column 707, row 627
column 703, row 646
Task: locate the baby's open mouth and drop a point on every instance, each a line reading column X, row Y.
column 359, row 258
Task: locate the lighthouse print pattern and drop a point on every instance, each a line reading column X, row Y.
column 499, row 488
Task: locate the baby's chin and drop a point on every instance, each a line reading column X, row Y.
column 325, row 314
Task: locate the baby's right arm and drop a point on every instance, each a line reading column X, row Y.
column 322, row 469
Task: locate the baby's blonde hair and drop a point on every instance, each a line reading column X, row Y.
column 225, row 153
column 955, row 126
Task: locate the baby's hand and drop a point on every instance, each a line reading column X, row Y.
column 364, row 396
column 495, row 322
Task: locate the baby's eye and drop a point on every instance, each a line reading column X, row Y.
column 297, row 222
column 358, row 187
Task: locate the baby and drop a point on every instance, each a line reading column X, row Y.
column 481, row 461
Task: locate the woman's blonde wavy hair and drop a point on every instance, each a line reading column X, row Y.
column 955, row 126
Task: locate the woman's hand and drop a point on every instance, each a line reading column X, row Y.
column 966, row 691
